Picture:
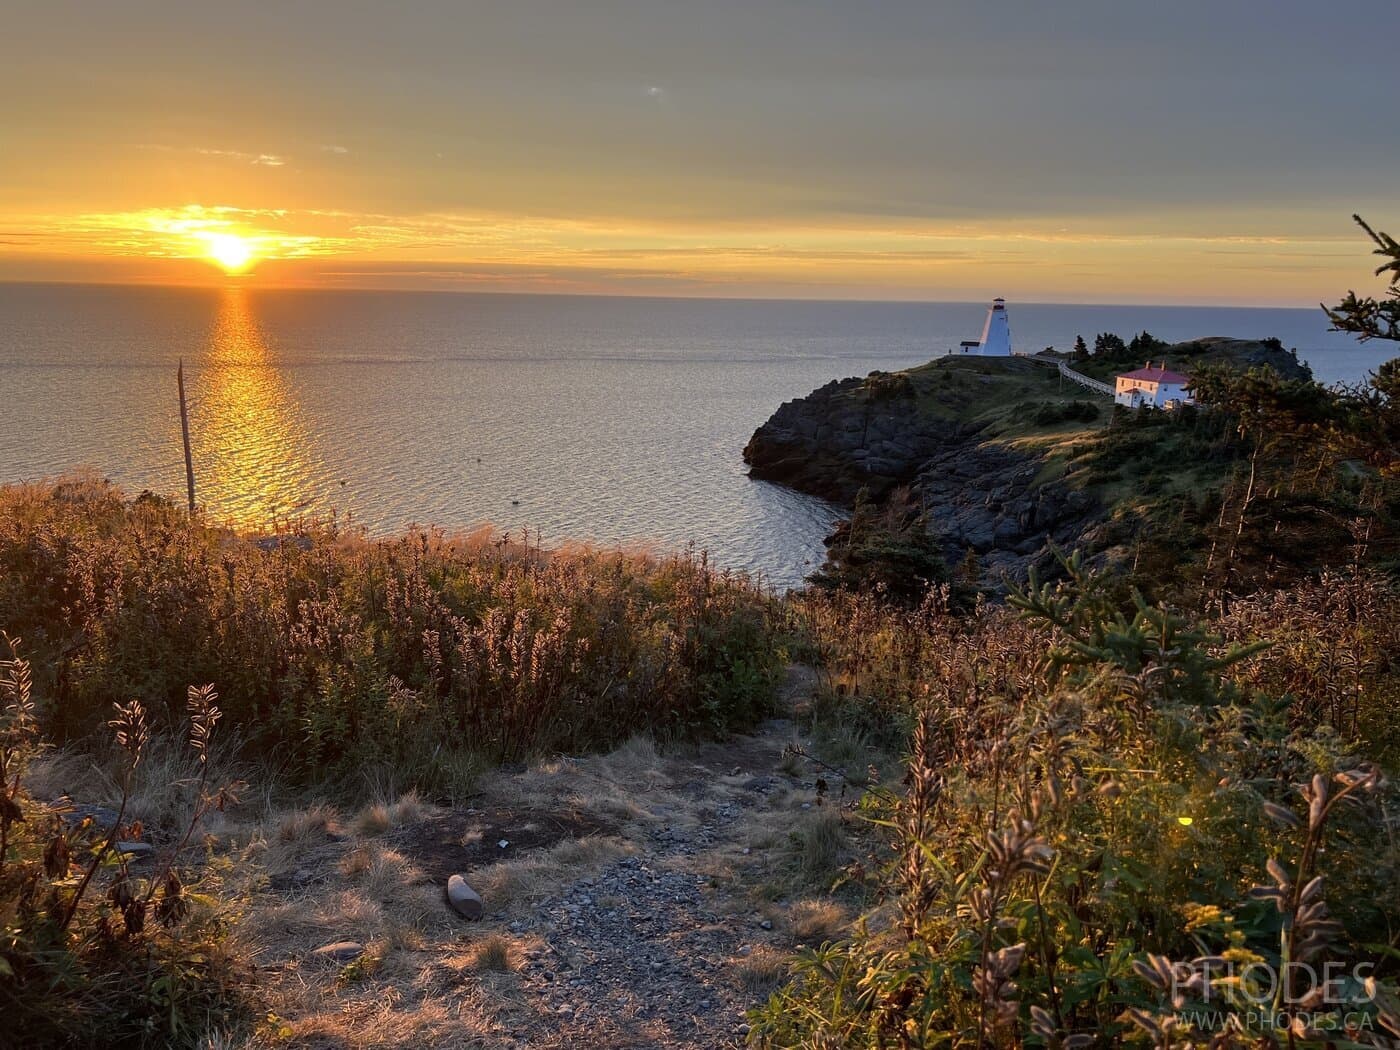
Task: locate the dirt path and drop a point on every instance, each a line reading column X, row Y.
column 632, row 900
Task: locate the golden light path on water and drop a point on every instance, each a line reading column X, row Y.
column 254, row 464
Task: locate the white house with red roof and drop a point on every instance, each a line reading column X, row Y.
column 1153, row 385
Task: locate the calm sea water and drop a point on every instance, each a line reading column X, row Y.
column 615, row 421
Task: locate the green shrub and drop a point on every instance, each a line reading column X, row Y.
column 887, row 550
column 1051, row 413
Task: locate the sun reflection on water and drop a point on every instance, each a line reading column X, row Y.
column 251, row 444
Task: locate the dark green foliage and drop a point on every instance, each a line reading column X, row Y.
column 92, row 951
column 1146, row 343
column 1107, row 344
column 1300, row 478
column 886, row 550
column 1369, row 317
column 1081, row 349
column 1053, row 413
column 1263, row 402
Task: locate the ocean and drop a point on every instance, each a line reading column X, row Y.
column 615, row 421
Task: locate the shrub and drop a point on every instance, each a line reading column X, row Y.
column 887, row 550
column 337, row 653
column 818, row 842
column 1050, row 413
column 93, row 953
column 1103, row 810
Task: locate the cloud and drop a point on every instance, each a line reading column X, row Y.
column 594, row 254
column 264, row 160
column 182, row 233
column 339, row 151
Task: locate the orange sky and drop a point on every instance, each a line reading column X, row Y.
column 762, row 149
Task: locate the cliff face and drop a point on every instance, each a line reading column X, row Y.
column 985, row 497
column 926, row 429
column 848, row 434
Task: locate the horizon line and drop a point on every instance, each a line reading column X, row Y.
column 678, row 297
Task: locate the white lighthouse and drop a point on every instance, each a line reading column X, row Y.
column 996, row 334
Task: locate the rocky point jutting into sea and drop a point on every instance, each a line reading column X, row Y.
column 980, row 444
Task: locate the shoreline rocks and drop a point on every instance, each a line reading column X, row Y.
column 848, row 435
column 875, row 433
column 926, row 429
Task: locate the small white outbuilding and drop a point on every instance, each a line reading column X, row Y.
column 996, row 334
column 1152, row 385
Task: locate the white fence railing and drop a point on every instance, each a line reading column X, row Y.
column 1088, row 382
column 1083, row 380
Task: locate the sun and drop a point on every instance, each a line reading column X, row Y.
column 230, row 251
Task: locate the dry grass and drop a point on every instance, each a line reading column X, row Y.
column 67, row 771
column 162, row 785
column 495, row 954
column 374, row 819
column 791, row 764
column 301, row 826
column 380, row 873
column 379, row 817
column 368, row 1016
column 815, row 922
column 818, row 844
column 524, row 879
column 637, row 762
column 849, row 750
column 457, row 984
column 761, row 971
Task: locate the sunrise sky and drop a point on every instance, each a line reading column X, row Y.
column 1084, row 151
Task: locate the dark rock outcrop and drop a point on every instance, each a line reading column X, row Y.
column 1238, row 353
column 848, row 435
column 985, row 498
column 875, row 434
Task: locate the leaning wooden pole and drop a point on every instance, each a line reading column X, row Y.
column 185, row 434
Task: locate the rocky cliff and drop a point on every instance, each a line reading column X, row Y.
column 847, row 435
column 985, row 497
column 940, row 430
column 973, row 439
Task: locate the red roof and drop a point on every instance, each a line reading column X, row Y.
column 1156, row 375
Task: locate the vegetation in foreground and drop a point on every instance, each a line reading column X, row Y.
column 92, row 954
column 1128, row 823
column 425, row 654
column 348, row 667
column 1117, row 823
